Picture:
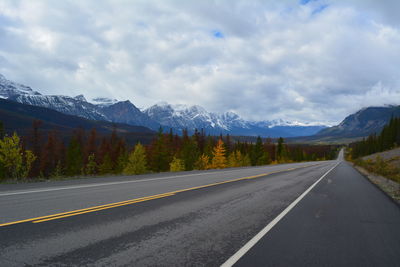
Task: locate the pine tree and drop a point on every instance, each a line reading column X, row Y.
column 49, row 158
column 159, row 154
column 189, row 153
column 58, row 171
column 246, row 161
column 219, row 159
column 36, row 147
column 91, row 165
column 106, row 167
column 137, row 163
column 257, row 152
column 74, row 158
column 264, row 159
column 281, row 152
column 177, row 165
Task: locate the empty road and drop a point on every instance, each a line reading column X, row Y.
column 202, row 218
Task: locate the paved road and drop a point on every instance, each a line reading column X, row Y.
column 202, row 226
column 343, row 221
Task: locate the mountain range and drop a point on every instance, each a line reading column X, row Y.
column 20, row 117
column 177, row 117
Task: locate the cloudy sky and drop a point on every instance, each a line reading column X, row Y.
column 307, row 60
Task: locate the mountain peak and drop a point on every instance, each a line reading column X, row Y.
column 103, row 101
column 10, row 89
column 80, row 98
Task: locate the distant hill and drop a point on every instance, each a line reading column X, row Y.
column 355, row 126
column 362, row 123
column 19, row 117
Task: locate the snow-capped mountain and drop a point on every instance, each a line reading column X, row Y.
column 76, row 106
column 103, row 101
column 196, row 117
column 102, row 108
column 186, row 117
column 178, row 117
column 10, row 88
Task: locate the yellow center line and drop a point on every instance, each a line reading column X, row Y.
column 85, row 209
column 109, row 207
column 138, row 200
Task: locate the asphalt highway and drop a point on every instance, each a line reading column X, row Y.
column 198, row 218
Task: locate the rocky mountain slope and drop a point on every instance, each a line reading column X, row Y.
column 362, row 123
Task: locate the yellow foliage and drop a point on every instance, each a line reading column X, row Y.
column 203, row 163
column 219, row 159
column 177, row 165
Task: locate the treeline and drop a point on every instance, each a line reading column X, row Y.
column 389, row 138
column 45, row 155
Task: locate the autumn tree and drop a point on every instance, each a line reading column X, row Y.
column 15, row 163
column 177, row 165
column 137, row 163
column 219, row 159
column 235, row 159
column 203, row 162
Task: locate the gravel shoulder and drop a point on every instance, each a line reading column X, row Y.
column 391, row 188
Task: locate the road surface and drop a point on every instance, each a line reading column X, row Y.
column 202, row 218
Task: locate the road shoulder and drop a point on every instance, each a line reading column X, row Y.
column 389, row 187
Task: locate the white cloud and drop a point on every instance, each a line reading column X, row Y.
column 271, row 59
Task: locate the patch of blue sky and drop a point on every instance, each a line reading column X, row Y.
column 304, row 2
column 218, row 34
column 319, row 9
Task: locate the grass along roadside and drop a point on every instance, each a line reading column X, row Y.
column 382, row 171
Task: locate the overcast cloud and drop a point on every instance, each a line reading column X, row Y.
column 308, row 60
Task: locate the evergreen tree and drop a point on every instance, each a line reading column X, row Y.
column 177, row 165
column 281, row 150
column 189, row 153
column 219, row 159
column 91, row 165
column 246, row 161
column 74, row 158
column 58, row 171
column 137, row 163
column 159, row 154
column 264, row 159
column 36, row 147
column 257, row 152
column 106, row 167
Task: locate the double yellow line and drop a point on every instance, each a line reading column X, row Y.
column 136, row 200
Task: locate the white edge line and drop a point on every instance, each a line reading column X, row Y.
column 240, row 253
column 114, row 183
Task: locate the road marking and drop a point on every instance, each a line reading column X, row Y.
column 85, row 209
column 242, row 251
column 121, row 182
column 98, row 209
column 137, row 200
